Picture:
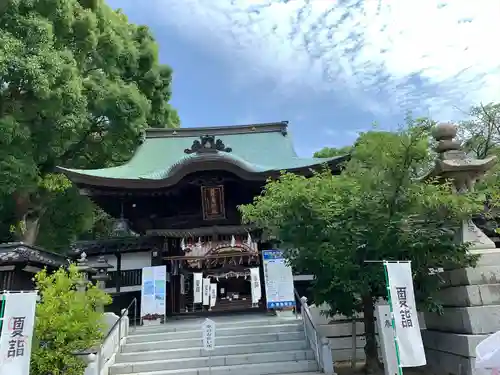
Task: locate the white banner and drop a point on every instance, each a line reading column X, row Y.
column 255, row 288
column 383, row 318
column 213, row 294
column 17, row 333
column 153, row 291
column 197, row 288
column 206, row 292
column 411, row 348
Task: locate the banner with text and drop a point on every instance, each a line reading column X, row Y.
column 402, row 296
column 197, row 288
column 255, row 280
column 206, row 292
column 17, row 332
column 153, row 291
column 213, row 294
column 278, row 280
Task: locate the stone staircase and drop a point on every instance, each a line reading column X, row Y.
column 245, row 345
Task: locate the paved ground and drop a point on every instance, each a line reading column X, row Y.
column 345, row 369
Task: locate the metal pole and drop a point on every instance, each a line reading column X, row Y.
column 400, row 369
column 2, row 308
column 209, row 362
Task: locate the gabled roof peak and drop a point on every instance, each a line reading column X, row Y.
column 267, row 127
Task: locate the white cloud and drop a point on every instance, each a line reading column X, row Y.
column 388, row 55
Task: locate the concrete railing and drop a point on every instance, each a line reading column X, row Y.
column 319, row 345
column 99, row 361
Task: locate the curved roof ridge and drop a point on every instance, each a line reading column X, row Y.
column 265, row 127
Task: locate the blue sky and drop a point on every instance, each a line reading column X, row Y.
column 331, row 68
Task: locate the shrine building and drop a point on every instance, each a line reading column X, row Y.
column 176, row 205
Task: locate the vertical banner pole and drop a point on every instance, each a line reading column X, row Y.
column 400, row 369
column 2, row 308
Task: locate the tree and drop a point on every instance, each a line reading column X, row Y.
column 78, row 85
column 480, row 134
column 329, row 152
column 66, row 322
column 377, row 209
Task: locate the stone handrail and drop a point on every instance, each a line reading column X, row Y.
column 319, row 345
column 98, row 361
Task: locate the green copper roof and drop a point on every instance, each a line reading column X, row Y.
column 257, row 149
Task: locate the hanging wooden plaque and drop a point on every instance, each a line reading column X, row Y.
column 212, row 198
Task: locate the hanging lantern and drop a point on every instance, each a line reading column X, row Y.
column 233, row 241
column 183, row 245
column 121, row 228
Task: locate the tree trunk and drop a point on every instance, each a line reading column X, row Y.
column 28, row 219
column 372, row 364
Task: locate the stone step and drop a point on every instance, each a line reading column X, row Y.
column 219, row 332
column 219, row 350
column 214, row 361
column 189, row 325
column 220, row 341
column 272, row 368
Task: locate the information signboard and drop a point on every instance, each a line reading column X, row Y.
column 153, row 291
column 278, row 279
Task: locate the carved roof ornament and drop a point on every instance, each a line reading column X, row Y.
column 207, row 144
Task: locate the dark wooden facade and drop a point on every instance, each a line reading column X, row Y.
column 179, row 195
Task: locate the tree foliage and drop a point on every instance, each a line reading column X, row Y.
column 377, row 209
column 78, row 85
column 329, row 152
column 66, row 322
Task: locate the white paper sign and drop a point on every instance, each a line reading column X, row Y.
column 255, row 280
column 17, row 333
column 213, row 294
column 206, row 292
column 208, row 329
column 411, row 348
column 386, row 339
column 197, row 287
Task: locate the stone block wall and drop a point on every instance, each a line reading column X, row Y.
column 471, row 300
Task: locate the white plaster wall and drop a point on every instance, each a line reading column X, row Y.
column 130, row 261
column 134, row 261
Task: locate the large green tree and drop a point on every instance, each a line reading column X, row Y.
column 377, row 209
column 78, row 85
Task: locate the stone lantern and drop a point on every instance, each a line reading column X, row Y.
column 470, row 296
column 100, row 275
column 82, row 265
column 100, row 267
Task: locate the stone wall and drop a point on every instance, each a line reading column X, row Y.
column 471, row 299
